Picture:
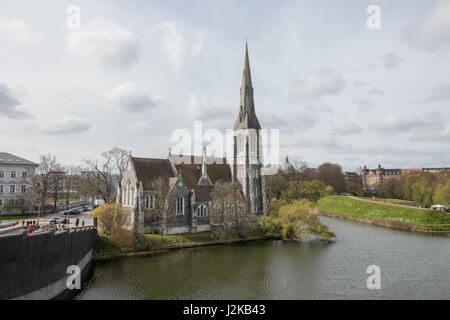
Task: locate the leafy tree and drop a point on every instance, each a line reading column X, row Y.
column 295, row 222
column 356, row 189
column 111, row 218
column 442, row 194
column 311, row 190
column 331, row 175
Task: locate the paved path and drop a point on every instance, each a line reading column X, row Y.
column 386, row 203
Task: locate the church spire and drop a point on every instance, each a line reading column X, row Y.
column 247, row 117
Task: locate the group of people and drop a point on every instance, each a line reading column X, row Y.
column 32, row 225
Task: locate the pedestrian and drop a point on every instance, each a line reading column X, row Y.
column 77, row 222
column 23, row 223
column 82, row 223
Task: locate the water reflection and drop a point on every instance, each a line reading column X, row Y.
column 413, row 266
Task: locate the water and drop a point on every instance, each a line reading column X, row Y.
column 413, row 266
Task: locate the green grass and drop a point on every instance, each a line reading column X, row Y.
column 345, row 206
column 392, row 201
column 183, row 238
column 17, row 218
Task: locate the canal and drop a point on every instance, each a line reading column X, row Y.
column 413, row 266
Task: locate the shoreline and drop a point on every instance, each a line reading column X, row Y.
column 397, row 225
column 112, row 255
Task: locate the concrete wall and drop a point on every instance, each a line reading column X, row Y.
column 34, row 266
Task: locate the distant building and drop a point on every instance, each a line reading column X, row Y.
column 352, row 178
column 287, row 166
column 16, row 184
column 371, row 178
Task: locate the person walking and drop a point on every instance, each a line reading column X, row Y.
column 82, row 223
column 77, row 222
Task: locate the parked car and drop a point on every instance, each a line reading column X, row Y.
column 73, row 212
column 56, row 220
column 6, row 224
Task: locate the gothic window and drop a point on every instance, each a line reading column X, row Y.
column 180, row 206
column 202, row 211
column 147, row 202
column 152, row 202
column 132, row 197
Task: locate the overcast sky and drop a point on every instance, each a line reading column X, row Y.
column 137, row 70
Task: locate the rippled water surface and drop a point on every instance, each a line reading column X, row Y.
column 413, row 266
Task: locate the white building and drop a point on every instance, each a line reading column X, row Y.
column 16, row 184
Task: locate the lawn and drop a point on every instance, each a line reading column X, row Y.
column 17, row 218
column 345, row 206
column 184, row 238
column 393, row 201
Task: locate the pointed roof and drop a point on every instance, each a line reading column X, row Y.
column 247, row 117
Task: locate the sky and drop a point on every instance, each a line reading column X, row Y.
column 133, row 72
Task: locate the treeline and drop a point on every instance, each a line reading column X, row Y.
column 427, row 189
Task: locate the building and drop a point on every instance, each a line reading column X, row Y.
column 16, row 184
column 352, row 178
column 287, row 167
column 373, row 177
column 190, row 179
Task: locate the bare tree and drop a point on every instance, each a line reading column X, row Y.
column 159, row 214
column 71, row 186
column 101, row 174
column 43, row 178
column 57, row 185
column 228, row 207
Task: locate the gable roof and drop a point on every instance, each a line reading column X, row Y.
column 148, row 170
column 8, row 158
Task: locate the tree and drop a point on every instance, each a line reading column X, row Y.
column 71, row 186
column 111, row 217
column 57, row 178
column 160, row 215
column 311, row 190
column 229, row 207
column 331, row 175
column 101, row 175
column 276, row 186
column 442, row 194
column 43, row 178
column 356, row 189
column 295, row 221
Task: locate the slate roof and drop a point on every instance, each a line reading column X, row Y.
column 8, row 158
column 190, row 168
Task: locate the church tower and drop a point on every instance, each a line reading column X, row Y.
column 247, row 146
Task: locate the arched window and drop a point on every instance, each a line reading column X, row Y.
column 202, row 211
column 152, row 202
column 146, row 202
column 132, row 197
column 180, row 206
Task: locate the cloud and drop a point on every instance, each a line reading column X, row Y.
column 322, row 83
column 376, row 92
column 68, row 125
column 138, row 126
column 362, row 104
column 433, row 135
column 18, row 31
column 439, row 92
column 434, row 31
column 399, row 123
column 10, row 104
column 177, row 48
column 130, row 97
column 389, row 61
column 109, row 44
column 214, row 114
column 347, row 129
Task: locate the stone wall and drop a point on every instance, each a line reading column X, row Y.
column 34, row 266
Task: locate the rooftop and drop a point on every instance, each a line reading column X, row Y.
column 8, row 158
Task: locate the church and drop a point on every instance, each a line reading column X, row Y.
column 190, row 179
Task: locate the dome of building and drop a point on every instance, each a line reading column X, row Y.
column 286, row 166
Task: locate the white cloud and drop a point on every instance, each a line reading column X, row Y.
column 433, row 135
column 322, row 83
column 68, row 125
column 362, row 104
column 18, row 31
column 433, row 31
column 398, row 123
column 376, row 92
column 347, row 129
column 389, row 61
column 177, row 48
column 138, row 126
column 130, row 97
column 439, row 92
column 109, row 44
column 10, row 104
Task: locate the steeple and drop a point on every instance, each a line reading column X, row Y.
column 247, row 117
column 204, row 180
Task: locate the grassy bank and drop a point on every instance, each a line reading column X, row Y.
column 151, row 243
column 404, row 218
column 392, row 201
